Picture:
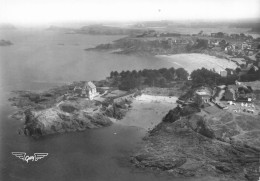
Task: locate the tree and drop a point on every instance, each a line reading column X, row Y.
column 182, row 74
column 204, row 77
column 162, row 70
column 168, row 75
column 111, row 74
column 116, row 73
column 162, row 82
column 122, row 74
column 202, row 43
column 130, row 82
column 238, row 70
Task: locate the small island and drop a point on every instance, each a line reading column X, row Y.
column 5, row 43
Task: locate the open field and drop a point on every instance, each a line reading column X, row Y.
column 195, row 61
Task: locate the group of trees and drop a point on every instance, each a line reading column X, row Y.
column 127, row 80
column 252, row 75
column 202, row 77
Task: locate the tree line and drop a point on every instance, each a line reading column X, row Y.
column 126, row 80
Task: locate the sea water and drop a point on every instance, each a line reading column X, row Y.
column 41, row 59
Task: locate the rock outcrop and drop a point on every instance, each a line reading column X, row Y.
column 54, row 120
column 58, row 110
column 221, row 146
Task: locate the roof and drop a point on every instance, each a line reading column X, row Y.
column 239, row 60
column 202, row 93
column 77, row 88
column 232, row 90
column 234, row 87
column 89, row 85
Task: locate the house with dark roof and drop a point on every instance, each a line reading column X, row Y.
column 238, row 93
column 231, row 93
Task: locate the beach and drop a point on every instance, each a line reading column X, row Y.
column 195, row 61
column 147, row 111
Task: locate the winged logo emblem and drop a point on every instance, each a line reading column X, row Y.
column 24, row 157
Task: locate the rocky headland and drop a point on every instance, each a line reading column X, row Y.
column 140, row 46
column 192, row 143
column 58, row 110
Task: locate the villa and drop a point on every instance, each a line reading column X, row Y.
column 89, row 90
column 202, row 97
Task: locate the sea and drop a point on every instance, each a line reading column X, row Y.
column 40, row 59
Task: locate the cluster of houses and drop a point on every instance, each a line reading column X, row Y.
column 205, row 96
column 237, row 45
column 241, row 49
column 239, row 93
column 153, row 33
column 172, row 42
column 240, row 36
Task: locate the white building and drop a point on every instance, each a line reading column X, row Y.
column 89, row 90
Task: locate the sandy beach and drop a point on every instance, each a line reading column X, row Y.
column 195, row 61
column 147, row 111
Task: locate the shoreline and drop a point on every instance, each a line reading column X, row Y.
column 186, row 60
column 147, row 111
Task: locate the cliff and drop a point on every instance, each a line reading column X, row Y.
column 219, row 146
column 60, row 120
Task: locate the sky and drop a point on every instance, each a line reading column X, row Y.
column 50, row 11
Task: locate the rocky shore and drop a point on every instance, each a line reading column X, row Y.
column 191, row 143
column 58, row 111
